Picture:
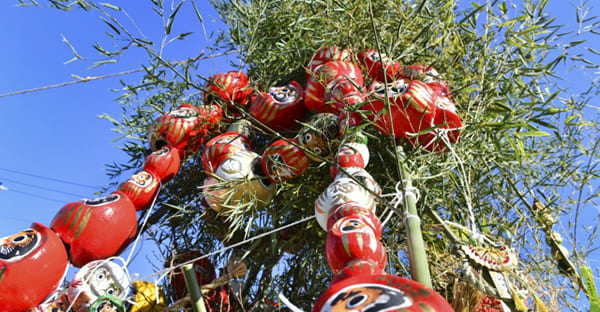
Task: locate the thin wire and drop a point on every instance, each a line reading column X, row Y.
column 42, row 187
column 165, row 271
column 50, row 179
column 38, row 196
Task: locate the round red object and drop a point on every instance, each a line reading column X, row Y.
column 352, row 154
column 164, row 163
column 229, row 88
column 221, row 147
column 378, row 66
column 356, row 211
column 96, row 228
column 381, row 293
column 32, row 265
column 180, row 128
column 204, row 269
column 210, row 116
column 141, row 188
column 280, row 108
column 356, row 268
column 324, row 55
column 344, row 76
column 411, row 106
column 352, row 239
column 282, row 161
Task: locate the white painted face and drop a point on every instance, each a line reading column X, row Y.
column 17, row 246
column 340, row 191
column 97, row 279
column 184, row 112
column 284, row 95
column 367, row 298
column 394, row 89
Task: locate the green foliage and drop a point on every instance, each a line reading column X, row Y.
column 526, row 137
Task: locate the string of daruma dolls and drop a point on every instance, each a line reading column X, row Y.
column 87, row 232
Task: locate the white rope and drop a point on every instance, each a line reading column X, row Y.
column 148, row 211
column 289, row 304
column 91, row 274
column 398, row 199
column 165, row 271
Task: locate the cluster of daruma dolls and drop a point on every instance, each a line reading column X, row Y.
column 407, row 102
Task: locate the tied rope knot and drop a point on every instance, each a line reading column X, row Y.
column 397, row 198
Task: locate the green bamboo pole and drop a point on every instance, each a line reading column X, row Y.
column 419, row 267
column 193, row 288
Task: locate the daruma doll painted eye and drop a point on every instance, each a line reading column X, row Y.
column 352, row 239
column 181, row 128
column 32, row 265
column 380, row 293
column 95, row 281
column 328, row 77
column 141, row 188
column 164, row 163
column 379, row 66
column 96, row 228
column 319, row 136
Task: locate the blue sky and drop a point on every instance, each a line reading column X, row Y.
column 56, row 133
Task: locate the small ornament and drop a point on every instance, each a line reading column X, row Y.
column 236, row 183
column 280, row 108
column 107, row 304
column 32, row 265
column 354, row 210
column 96, row 228
column 344, row 77
column 496, row 259
column 318, row 136
column 378, row 66
column 363, row 177
column 145, row 297
column 381, row 293
column 221, row 147
column 164, row 163
column 180, row 128
column 411, row 107
column 282, row 161
column 351, row 154
column 324, row 55
column 94, row 283
column 141, row 188
column 351, row 239
column 339, row 192
column 231, row 89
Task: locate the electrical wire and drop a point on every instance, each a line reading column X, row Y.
column 43, row 188
column 50, row 179
column 38, row 196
